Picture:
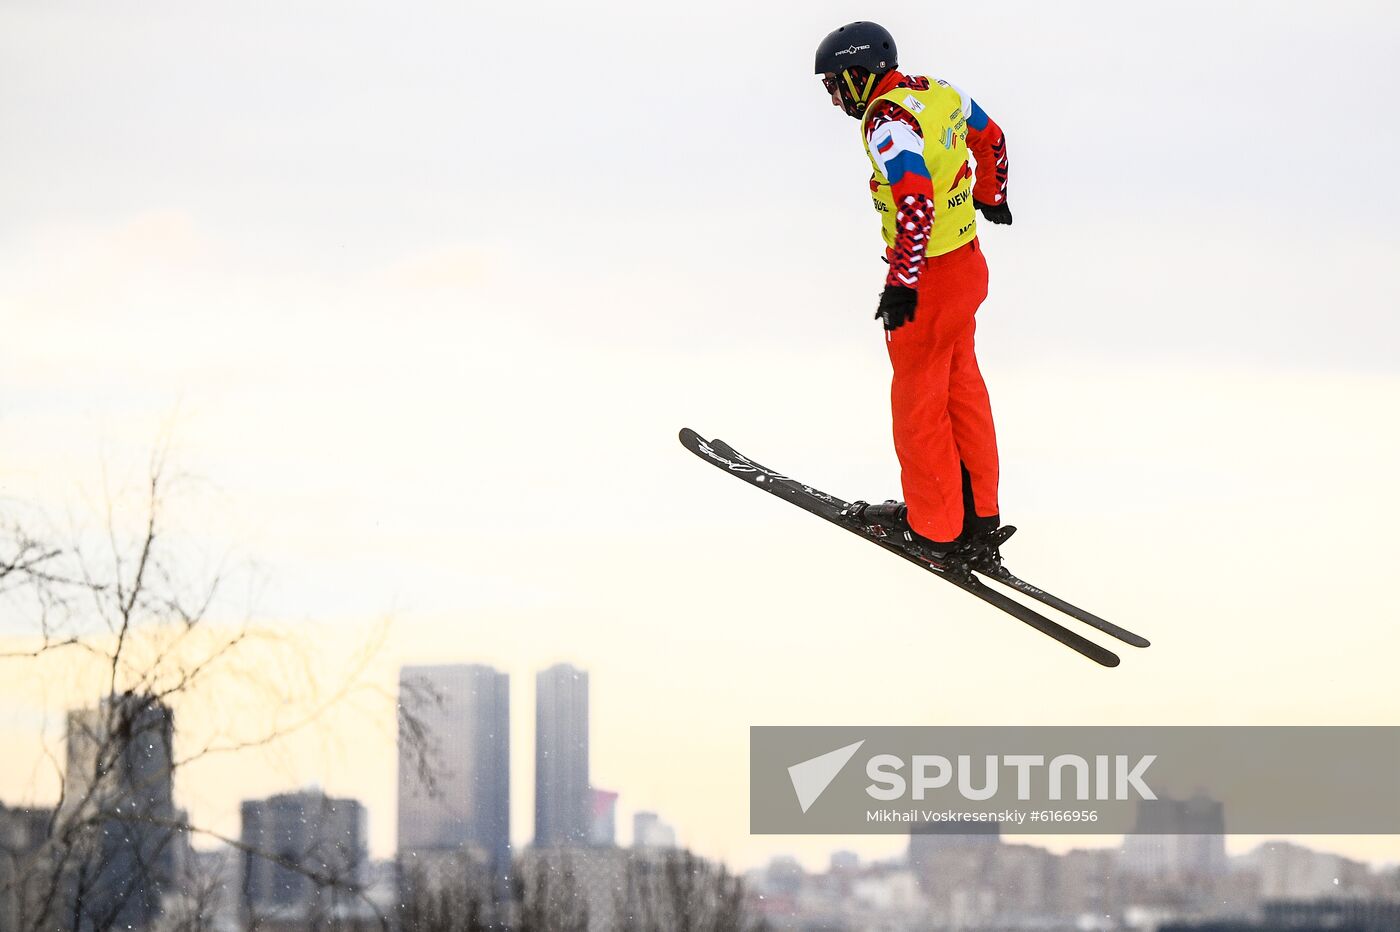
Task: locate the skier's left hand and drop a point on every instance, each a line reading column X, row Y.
column 897, row 304
column 995, row 213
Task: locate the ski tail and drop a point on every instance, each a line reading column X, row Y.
column 1004, row 576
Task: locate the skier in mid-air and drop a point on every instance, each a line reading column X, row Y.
column 917, row 132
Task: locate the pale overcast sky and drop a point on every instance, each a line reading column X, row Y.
column 428, row 289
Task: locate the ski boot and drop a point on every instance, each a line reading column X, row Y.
column 891, row 519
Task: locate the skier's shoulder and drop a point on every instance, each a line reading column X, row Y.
column 964, row 99
column 927, row 83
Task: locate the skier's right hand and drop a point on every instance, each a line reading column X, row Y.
column 897, row 304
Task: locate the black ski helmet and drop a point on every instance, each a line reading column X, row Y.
column 857, row 55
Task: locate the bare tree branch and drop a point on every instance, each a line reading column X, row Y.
column 108, row 846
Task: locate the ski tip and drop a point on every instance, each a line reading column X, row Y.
column 688, row 436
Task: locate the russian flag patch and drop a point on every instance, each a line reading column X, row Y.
column 885, row 145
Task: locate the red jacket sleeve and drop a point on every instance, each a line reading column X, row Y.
column 897, row 144
column 988, row 145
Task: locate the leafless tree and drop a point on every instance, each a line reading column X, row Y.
column 451, row 895
column 456, row 892
column 550, row 899
column 115, row 852
column 678, row 891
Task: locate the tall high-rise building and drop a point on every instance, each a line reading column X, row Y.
column 118, row 791
column 454, row 765
column 304, row 857
column 562, row 801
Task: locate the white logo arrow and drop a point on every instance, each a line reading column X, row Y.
column 811, row 777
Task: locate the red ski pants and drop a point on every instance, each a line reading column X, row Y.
column 942, row 415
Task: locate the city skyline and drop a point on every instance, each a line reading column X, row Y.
column 956, row 873
column 1378, row 850
column 956, row 878
column 948, row 880
column 476, row 695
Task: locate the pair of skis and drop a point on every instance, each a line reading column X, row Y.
column 720, row 454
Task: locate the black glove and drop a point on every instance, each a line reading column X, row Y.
column 995, row 213
column 897, row 305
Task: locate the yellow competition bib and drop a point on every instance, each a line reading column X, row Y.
column 938, row 109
